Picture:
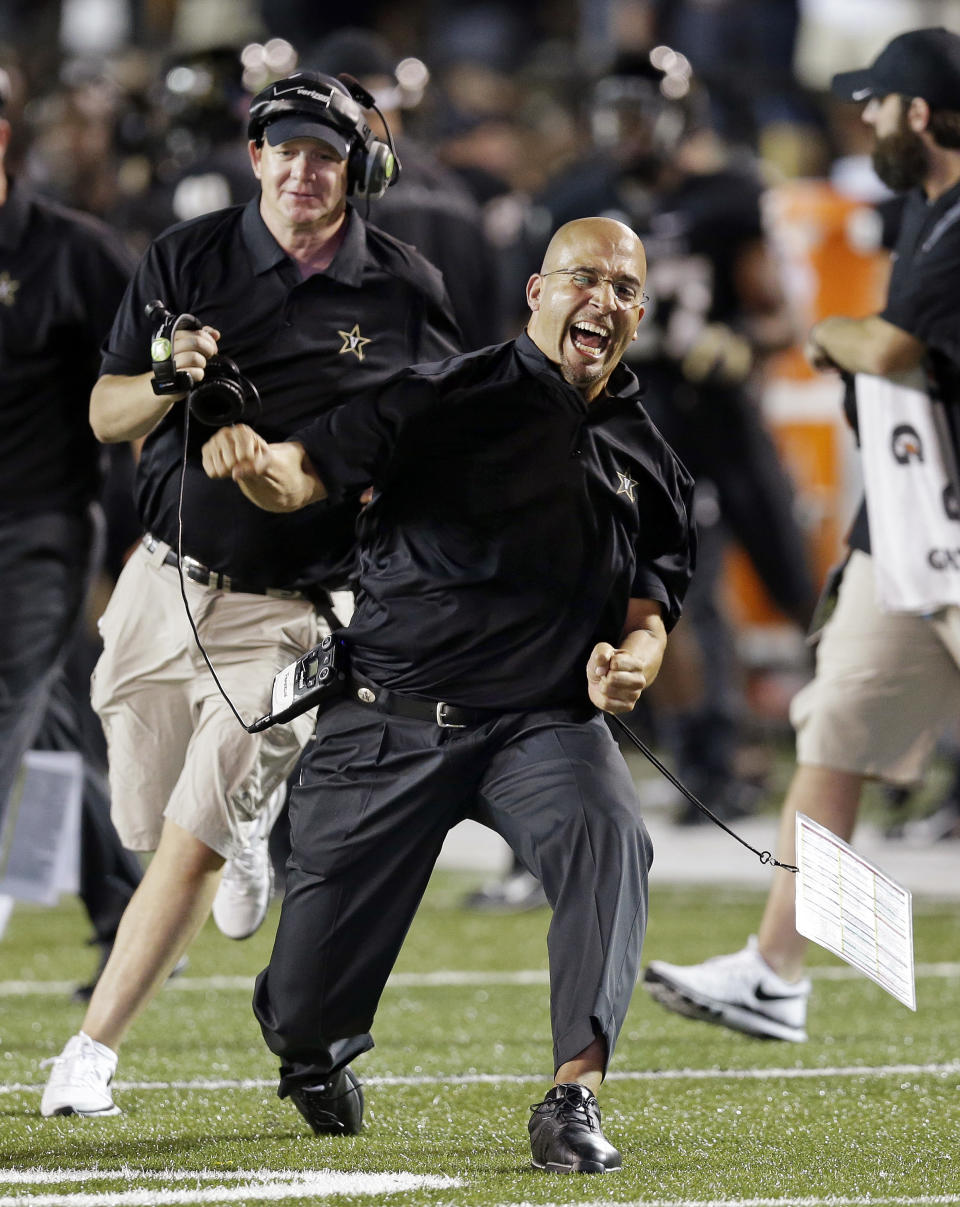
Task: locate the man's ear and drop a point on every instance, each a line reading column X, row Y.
column 640, row 314
column 256, row 151
column 918, row 114
column 534, row 286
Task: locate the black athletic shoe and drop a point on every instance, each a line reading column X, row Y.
column 332, row 1109
column 565, row 1135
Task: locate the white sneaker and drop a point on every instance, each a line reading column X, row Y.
column 246, row 887
column 740, row 991
column 79, row 1082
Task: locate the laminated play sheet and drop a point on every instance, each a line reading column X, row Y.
column 850, row 907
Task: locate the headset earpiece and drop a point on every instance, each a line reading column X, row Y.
column 371, row 170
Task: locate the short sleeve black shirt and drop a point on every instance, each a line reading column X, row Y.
column 924, row 300
column 306, row 344
column 510, row 527
column 62, row 275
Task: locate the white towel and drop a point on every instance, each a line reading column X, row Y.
column 912, row 508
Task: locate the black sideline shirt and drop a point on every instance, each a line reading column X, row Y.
column 510, row 527
column 306, row 344
column 62, row 275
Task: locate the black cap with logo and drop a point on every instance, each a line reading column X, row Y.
column 922, row 62
column 306, row 105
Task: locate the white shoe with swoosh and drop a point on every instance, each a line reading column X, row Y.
column 740, row 991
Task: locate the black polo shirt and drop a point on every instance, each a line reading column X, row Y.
column 923, row 299
column 62, row 275
column 510, row 527
column 307, row 344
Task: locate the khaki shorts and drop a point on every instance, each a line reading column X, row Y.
column 176, row 750
column 886, row 686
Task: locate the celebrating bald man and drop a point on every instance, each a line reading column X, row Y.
column 525, row 552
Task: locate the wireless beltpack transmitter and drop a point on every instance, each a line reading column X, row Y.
column 317, row 677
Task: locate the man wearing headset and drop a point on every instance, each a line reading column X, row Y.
column 313, row 306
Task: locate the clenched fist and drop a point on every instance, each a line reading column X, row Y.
column 615, row 678
column 236, row 452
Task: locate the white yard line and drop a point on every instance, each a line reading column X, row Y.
column 253, row 1184
column 948, row 1069
column 213, row 1186
column 432, row 980
column 399, row 980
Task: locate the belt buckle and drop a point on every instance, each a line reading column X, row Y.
column 441, row 718
column 195, row 570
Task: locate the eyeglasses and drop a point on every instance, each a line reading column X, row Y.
column 627, row 293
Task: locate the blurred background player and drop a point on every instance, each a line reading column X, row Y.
column 62, row 274
column 430, row 207
column 180, row 136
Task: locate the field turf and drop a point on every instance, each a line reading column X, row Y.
column 868, row 1111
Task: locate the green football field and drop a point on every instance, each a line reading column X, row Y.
column 868, row 1111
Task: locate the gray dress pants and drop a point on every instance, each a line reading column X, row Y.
column 378, row 794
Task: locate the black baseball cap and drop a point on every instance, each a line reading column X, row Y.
column 308, row 104
column 305, row 125
column 922, row 62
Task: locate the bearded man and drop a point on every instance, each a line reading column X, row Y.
column 888, row 679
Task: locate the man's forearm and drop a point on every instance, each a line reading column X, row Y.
column 645, row 637
column 286, row 483
column 867, row 345
column 648, row 648
column 124, row 408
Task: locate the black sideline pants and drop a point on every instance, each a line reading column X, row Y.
column 46, row 563
column 378, row 794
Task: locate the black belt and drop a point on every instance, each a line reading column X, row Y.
column 447, row 716
column 213, row 578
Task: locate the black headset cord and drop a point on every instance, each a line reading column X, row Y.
column 763, row 856
column 264, row 721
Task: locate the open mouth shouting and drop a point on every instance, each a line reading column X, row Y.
column 590, row 339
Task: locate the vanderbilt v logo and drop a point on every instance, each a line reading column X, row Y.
column 626, row 487
column 353, row 341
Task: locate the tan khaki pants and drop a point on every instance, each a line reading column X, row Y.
column 887, row 685
column 176, row 750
